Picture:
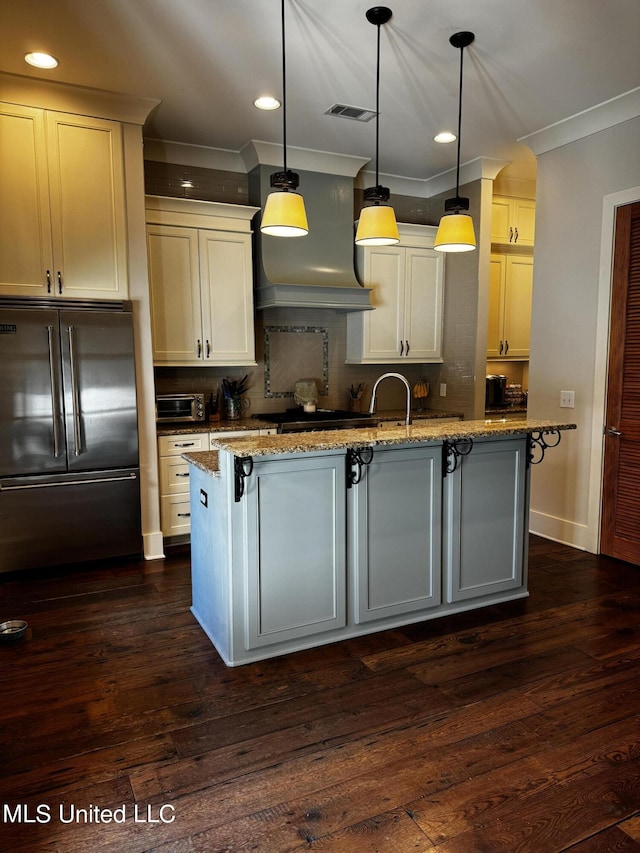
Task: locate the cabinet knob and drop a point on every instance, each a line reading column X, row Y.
column 401, row 348
column 506, row 347
column 501, row 347
column 208, row 349
column 516, row 235
column 199, row 348
column 407, row 347
column 59, row 282
column 48, row 274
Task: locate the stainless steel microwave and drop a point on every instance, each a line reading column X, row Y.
column 177, row 408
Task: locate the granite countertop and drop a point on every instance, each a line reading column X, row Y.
column 305, row 442
column 255, row 422
column 211, row 426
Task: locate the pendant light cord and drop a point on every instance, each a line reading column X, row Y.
column 284, row 94
column 377, row 104
column 459, row 125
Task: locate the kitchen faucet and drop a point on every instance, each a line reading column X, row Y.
column 372, row 404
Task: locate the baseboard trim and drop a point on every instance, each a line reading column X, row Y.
column 152, row 544
column 561, row 530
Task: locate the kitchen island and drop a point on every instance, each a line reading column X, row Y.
column 309, row 538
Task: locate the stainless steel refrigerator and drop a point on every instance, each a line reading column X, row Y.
column 69, row 475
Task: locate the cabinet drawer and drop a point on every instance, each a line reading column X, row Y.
column 174, row 476
column 174, row 445
column 176, row 515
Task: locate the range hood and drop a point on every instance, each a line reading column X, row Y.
column 316, row 271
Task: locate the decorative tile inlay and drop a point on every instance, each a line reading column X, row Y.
column 287, row 359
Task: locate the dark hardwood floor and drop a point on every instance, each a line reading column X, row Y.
column 515, row 728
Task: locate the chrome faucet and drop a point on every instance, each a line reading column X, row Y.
column 372, row 404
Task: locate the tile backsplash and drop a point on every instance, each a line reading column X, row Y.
column 339, row 375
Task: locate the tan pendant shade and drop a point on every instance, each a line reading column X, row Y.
column 455, row 233
column 284, row 215
column 377, row 226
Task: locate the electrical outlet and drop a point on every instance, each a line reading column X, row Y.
column 567, row 400
column 443, row 389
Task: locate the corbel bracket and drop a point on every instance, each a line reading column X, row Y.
column 452, row 451
column 242, row 468
column 357, row 460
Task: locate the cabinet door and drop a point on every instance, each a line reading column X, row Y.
column 524, row 214
column 501, row 220
column 513, row 221
column 25, row 232
column 394, row 534
column 384, row 326
column 497, row 279
column 484, row 536
column 294, row 553
column 423, row 304
column 88, row 217
column 174, row 277
column 227, row 297
column 517, row 305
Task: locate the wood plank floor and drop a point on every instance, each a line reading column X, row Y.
column 515, row 728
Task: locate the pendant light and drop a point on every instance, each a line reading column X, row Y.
column 455, row 232
column 284, row 213
column 377, row 224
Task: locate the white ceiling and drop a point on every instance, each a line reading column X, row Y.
column 533, row 63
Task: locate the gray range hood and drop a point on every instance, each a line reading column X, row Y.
column 316, row 271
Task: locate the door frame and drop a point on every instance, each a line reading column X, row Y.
column 609, row 207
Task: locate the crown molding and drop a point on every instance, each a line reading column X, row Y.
column 79, row 100
column 585, row 123
column 259, row 153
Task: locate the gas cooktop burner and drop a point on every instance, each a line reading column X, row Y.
column 297, row 420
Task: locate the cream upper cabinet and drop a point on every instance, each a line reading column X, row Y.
column 63, row 217
column 510, row 290
column 407, row 294
column 513, row 221
column 201, row 282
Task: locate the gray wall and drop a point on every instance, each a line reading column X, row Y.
column 578, row 184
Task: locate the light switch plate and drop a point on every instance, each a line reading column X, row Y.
column 567, row 399
column 443, row 389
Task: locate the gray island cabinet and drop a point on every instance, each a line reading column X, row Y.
column 299, row 540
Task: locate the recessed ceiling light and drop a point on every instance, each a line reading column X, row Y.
column 267, row 102
column 445, row 136
column 41, row 60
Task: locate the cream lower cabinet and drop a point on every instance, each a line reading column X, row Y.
column 394, row 534
column 175, row 509
column 513, row 221
column 63, row 217
column 407, row 294
column 201, row 282
column 510, row 292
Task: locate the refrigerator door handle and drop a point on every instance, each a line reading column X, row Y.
column 4, row 488
column 75, row 395
column 55, row 410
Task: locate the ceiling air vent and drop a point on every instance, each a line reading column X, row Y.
column 355, row 113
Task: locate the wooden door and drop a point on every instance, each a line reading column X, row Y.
column 620, row 533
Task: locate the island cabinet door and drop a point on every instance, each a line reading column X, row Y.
column 485, row 520
column 295, row 549
column 394, row 536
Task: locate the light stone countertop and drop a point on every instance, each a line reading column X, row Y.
column 306, row 442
